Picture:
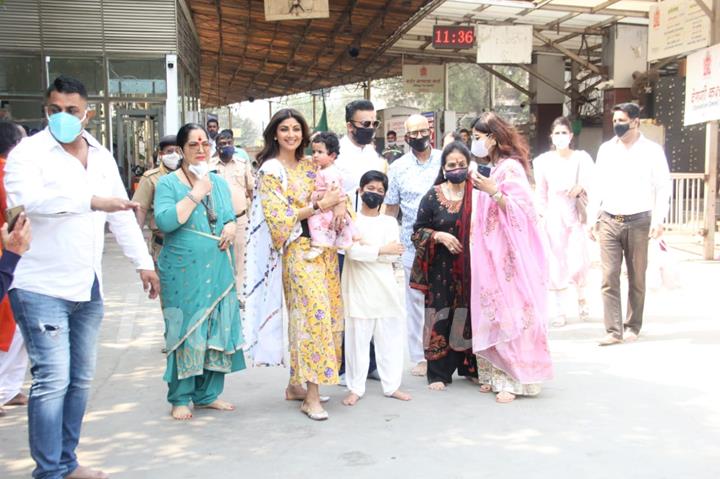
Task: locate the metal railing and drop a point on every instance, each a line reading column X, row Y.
column 686, row 201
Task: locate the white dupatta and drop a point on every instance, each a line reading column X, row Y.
column 263, row 288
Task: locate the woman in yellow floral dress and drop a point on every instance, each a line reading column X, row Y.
column 278, row 274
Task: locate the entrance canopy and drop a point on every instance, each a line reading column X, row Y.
column 244, row 56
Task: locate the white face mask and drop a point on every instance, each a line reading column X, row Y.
column 171, row 160
column 479, row 149
column 561, row 142
column 200, row 170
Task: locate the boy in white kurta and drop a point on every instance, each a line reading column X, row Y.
column 371, row 296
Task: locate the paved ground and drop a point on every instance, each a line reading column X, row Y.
column 646, row 410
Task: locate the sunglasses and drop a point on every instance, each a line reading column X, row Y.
column 366, row 124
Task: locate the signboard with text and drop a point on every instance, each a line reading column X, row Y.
column 677, row 27
column 423, row 78
column 702, row 86
column 504, row 43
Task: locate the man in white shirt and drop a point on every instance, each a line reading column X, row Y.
column 357, row 157
column 632, row 194
column 69, row 186
column 357, row 152
column 411, row 176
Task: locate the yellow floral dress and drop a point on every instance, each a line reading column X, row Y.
column 312, row 287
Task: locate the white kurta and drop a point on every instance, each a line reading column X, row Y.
column 373, row 307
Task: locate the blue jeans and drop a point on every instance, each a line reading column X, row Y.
column 61, row 339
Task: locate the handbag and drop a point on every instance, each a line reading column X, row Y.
column 581, row 200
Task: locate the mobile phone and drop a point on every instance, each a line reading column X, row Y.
column 484, row 170
column 12, row 215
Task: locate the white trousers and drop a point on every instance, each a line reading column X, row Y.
column 389, row 334
column 13, row 365
column 415, row 310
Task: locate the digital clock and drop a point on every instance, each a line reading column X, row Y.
column 453, row 36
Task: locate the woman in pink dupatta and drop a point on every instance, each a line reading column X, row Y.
column 509, row 274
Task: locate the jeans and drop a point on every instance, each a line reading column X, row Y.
column 61, row 339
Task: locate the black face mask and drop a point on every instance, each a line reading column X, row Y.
column 456, row 176
column 621, row 128
column 419, row 144
column 371, row 199
column 363, row 136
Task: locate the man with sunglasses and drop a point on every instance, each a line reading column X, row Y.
column 70, row 187
column 411, row 176
column 357, row 151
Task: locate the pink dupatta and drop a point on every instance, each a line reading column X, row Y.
column 509, row 279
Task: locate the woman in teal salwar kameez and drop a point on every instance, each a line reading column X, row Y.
column 203, row 331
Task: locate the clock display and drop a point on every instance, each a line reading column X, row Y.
column 453, row 36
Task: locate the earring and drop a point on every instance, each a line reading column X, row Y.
column 275, row 139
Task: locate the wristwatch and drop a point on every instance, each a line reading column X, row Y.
column 497, row 196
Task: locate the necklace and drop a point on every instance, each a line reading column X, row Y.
column 207, row 204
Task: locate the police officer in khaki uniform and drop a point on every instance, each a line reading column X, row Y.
column 169, row 160
column 234, row 165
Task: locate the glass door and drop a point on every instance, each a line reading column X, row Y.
column 137, row 132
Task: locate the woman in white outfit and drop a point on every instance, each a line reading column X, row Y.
column 561, row 176
column 373, row 307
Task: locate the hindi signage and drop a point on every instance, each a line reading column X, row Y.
column 702, row 86
column 677, row 27
column 423, row 78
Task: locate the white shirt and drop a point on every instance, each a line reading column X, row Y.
column 369, row 288
column 353, row 162
column 67, row 236
column 631, row 180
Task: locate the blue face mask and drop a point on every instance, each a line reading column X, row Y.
column 65, row 127
column 226, row 152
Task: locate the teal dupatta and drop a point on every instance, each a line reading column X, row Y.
column 203, row 329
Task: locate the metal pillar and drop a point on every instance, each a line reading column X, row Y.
column 711, row 155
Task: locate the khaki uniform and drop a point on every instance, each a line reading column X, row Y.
column 239, row 176
column 145, row 195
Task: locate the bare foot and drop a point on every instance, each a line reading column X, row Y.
column 351, row 399
column 295, row 393
column 420, row 369
column 504, row 397
column 485, row 388
column 437, row 386
column 401, row 395
column 19, row 400
column 472, row 379
column 82, row 472
column 218, row 404
column 181, row 413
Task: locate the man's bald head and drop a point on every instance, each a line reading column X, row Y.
column 416, row 122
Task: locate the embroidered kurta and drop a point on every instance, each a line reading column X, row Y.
column 203, row 329
column 568, row 255
column 311, row 287
column 439, row 274
column 509, row 280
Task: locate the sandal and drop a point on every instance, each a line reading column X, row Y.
column 504, row 397
column 323, row 399
column 321, row 415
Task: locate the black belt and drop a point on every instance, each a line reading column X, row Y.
column 240, row 215
column 158, row 241
column 627, row 218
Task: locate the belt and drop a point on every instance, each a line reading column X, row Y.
column 158, row 241
column 240, row 215
column 627, row 218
